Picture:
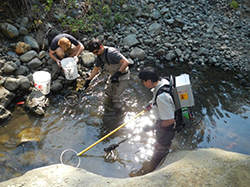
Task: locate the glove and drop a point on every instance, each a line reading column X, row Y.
column 114, row 78
column 111, row 147
column 148, row 106
column 86, row 85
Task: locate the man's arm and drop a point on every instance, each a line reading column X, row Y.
column 124, row 65
column 53, row 57
column 92, row 75
column 79, row 48
column 94, row 72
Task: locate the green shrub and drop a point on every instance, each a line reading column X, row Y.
column 234, row 4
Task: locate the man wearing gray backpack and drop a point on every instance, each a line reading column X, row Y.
column 163, row 109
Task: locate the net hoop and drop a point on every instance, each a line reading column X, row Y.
column 61, row 156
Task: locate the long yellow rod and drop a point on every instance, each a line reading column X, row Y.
column 79, row 154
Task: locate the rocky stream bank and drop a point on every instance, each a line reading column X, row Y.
column 199, row 33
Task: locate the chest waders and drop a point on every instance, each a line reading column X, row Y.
column 115, row 90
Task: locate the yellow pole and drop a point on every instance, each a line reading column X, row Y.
column 79, row 154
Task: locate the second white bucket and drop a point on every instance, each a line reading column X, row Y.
column 69, row 68
column 42, row 81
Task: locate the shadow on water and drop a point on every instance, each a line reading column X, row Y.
column 222, row 103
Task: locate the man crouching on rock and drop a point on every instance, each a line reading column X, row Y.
column 64, row 45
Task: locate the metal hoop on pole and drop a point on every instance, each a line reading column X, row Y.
column 61, row 156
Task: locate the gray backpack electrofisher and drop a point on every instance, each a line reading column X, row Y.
column 180, row 89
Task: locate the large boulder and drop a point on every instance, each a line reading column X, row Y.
column 11, row 84
column 32, row 42
column 8, row 30
column 131, row 40
column 138, row 53
column 88, row 59
column 4, row 114
column 9, row 67
column 26, row 57
column 37, row 102
column 6, row 96
column 204, row 167
column 22, row 48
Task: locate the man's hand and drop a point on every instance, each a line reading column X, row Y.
column 76, row 59
column 58, row 63
column 114, row 78
column 148, row 106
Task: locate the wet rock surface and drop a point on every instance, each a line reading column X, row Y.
column 204, row 167
column 4, row 113
column 37, row 102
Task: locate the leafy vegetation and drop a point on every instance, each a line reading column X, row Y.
column 234, row 4
column 95, row 14
column 74, row 15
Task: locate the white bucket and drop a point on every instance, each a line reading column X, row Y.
column 42, row 81
column 69, row 68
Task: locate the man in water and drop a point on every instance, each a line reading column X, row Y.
column 116, row 65
column 64, row 45
column 163, row 109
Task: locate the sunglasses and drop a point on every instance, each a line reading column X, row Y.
column 142, row 81
column 96, row 51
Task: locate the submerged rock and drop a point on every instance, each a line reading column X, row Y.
column 4, row 139
column 33, row 158
column 30, row 135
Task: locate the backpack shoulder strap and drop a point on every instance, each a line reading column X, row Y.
column 106, row 57
column 165, row 88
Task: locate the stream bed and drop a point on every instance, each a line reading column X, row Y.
column 220, row 102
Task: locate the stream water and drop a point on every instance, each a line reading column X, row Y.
column 220, row 101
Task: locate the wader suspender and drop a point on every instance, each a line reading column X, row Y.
column 106, row 52
column 106, row 57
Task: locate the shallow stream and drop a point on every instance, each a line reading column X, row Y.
column 220, row 101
